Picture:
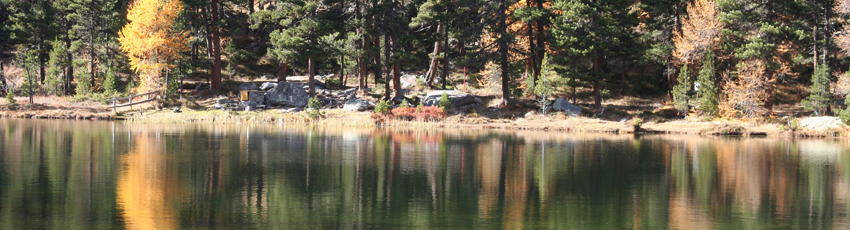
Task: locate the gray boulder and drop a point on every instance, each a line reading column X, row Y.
column 268, row 85
column 356, row 105
column 457, row 98
column 248, row 86
column 565, row 106
column 348, row 93
column 818, row 123
column 288, row 94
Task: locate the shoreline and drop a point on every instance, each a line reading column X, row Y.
column 341, row 118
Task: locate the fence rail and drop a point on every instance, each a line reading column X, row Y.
column 130, row 98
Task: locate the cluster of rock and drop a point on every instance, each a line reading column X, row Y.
column 293, row 96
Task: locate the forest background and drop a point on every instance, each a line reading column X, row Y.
column 725, row 58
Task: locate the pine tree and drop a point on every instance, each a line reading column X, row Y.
column 33, row 25
column 150, row 42
column 589, row 35
column 819, row 93
column 28, row 60
column 305, row 31
column 55, row 66
column 681, row 92
column 707, row 94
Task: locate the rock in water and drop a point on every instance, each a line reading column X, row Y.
column 268, row 85
column 818, row 123
column 248, row 86
column 565, row 106
column 288, row 94
column 356, row 105
column 456, row 97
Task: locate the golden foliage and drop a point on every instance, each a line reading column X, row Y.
column 150, row 40
column 700, row 31
column 747, row 90
column 842, row 7
column 146, row 189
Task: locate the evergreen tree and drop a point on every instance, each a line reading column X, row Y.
column 588, row 35
column 707, row 93
column 28, row 60
column 54, row 84
column 304, row 34
column 33, row 26
column 819, row 94
column 681, row 92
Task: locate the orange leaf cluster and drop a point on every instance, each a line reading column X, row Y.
column 749, row 89
column 427, row 113
column 150, row 40
column 700, row 31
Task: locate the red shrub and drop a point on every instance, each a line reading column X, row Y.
column 404, row 113
column 428, row 113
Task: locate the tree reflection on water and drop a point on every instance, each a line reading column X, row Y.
column 60, row 174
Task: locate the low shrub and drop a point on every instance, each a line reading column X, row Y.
column 445, row 103
column 315, row 104
column 844, row 115
column 10, row 98
column 426, row 113
column 637, row 123
column 383, row 107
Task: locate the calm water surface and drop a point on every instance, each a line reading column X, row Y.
column 107, row 175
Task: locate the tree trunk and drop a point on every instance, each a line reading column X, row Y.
column 3, row 79
column 541, row 42
column 532, row 51
column 311, row 77
column 815, row 44
column 379, row 70
column 503, row 53
column 215, row 79
column 397, row 81
column 445, row 71
column 281, row 71
column 92, row 70
column 432, row 68
column 597, row 96
column 69, row 74
column 341, row 72
column 361, row 70
column 389, row 66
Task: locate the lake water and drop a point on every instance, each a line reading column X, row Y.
column 107, row 175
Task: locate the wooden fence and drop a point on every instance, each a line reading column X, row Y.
column 151, row 96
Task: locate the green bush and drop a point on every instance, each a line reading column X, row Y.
column 383, row 107
column 315, row 104
column 844, row 115
column 404, row 104
column 794, row 123
column 445, row 103
column 10, row 97
column 637, row 123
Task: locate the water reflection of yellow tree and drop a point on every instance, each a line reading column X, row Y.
column 148, row 188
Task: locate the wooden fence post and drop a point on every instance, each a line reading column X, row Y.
column 113, row 104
